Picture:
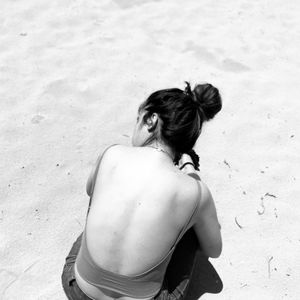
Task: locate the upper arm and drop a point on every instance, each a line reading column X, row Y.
column 206, row 225
column 92, row 178
column 93, row 175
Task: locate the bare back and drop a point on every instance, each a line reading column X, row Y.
column 140, row 204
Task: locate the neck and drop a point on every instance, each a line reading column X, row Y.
column 163, row 148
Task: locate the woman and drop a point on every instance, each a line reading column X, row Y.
column 143, row 200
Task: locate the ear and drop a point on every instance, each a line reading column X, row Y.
column 152, row 122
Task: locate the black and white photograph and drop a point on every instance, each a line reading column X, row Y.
column 149, row 150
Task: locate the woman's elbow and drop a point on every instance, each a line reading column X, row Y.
column 215, row 250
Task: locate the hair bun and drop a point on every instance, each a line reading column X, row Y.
column 208, row 98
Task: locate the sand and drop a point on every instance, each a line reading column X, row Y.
column 72, row 74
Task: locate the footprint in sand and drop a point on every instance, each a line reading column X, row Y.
column 58, row 88
column 131, row 3
column 207, row 56
column 233, row 66
column 200, row 52
column 37, row 119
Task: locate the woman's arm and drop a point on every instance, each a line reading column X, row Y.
column 92, row 178
column 207, row 227
column 93, row 175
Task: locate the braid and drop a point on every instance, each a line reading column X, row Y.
column 195, row 158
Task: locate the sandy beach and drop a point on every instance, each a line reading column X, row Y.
column 72, row 74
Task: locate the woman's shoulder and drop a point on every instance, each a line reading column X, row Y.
column 117, row 153
column 114, row 150
column 196, row 191
column 188, row 188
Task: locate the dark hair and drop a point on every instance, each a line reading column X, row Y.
column 182, row 113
